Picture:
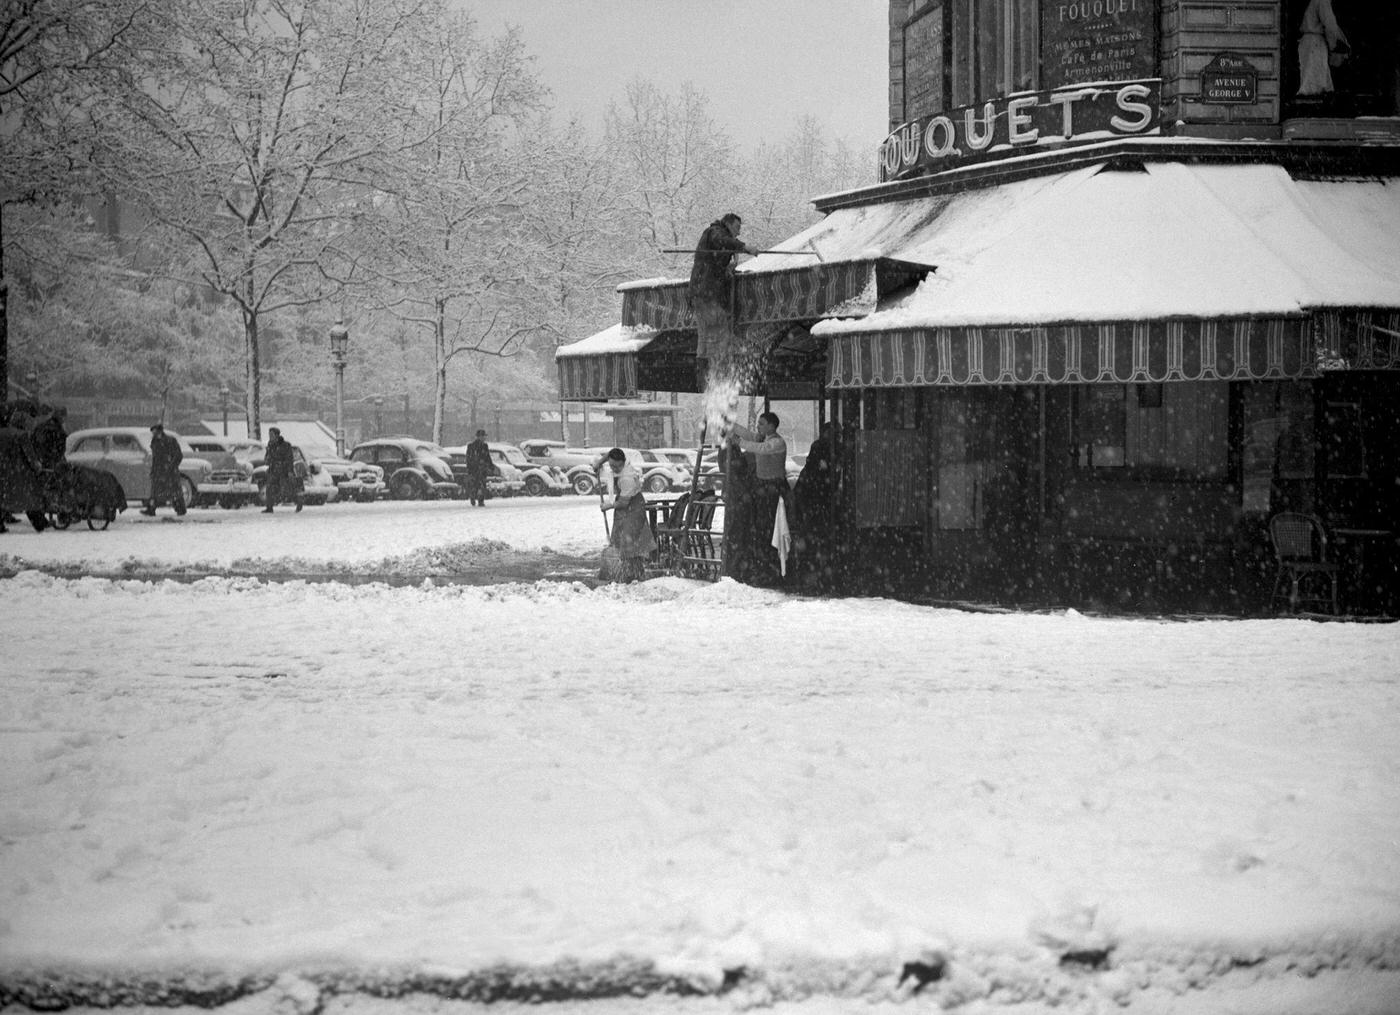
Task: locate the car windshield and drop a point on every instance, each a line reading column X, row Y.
column 515, row 456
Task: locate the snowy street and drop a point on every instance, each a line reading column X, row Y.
column 306, row 796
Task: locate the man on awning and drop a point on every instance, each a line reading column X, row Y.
column 712, row 296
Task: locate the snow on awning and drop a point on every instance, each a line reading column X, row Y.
column 1167, row 271
column 1144, row 270
column 837, row 267
column 603, row 365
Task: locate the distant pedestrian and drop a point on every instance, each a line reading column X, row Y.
column 282, row 482
column 21, row 483
column 479, row 466
column 165, row 472
column 50, row 439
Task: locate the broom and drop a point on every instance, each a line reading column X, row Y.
column 610, row 566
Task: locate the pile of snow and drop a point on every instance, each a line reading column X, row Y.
column 295, row 792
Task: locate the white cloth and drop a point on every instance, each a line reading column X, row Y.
column 782, row 537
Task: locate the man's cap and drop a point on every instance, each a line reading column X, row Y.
column 481, row 433
column 157, row 426
column 274, row 431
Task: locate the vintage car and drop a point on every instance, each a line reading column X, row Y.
column 244, row 453
column 125, row 452
column 413, row 469
column 539, row 480
column 710, row 476
column 360, row 482
column 575, row 463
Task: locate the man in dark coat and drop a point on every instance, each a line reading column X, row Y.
column 812, row 498
column 165, row 472
column 711, row 296
column 478, row 468
column 21, row 478
column 282, row 482
column 51, row 439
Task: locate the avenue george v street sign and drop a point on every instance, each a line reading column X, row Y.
column 1229, row 79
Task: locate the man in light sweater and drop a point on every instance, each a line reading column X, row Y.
column 770, row 491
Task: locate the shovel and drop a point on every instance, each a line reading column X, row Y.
column 610, row 566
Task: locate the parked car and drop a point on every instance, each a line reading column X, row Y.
column 125, row 452
column 575, row 463
column 243, row 452
column 360, row 482
column 317, row 487
column 413, row 469
column 710, row 476
column 540, row 480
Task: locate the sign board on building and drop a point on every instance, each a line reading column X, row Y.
column 1229, row 78
column 1008, row 124
column 1097, row 40
column 925, row 67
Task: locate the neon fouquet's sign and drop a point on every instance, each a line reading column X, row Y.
column 1010, row 124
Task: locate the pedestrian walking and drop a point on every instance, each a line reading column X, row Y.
column 282, row 482
column 165, row 472
column 51, row 439
column 478, row 468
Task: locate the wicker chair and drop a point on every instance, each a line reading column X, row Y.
column 1300, row 548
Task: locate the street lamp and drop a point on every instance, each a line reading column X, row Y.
column 340, row 339
column 223, row 400
column 378, row 415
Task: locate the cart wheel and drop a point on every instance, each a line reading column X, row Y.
column 99, row 518
column 60, row 519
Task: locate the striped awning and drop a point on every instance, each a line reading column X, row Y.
column 1118, row 352
column 809, row 292
column 1115, row 352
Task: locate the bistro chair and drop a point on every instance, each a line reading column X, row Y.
column 687, row 544
column 1300, row 547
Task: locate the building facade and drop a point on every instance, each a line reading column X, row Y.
column 1128, row 287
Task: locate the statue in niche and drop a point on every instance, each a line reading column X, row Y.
column 1321, row 45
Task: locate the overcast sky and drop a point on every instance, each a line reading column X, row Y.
column 762, row 63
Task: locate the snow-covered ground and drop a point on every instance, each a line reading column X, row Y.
column 352, row 796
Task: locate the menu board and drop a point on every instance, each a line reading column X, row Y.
column 925, row 39
column 1097, row 40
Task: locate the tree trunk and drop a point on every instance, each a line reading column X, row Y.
column 4, row 316
column 251, row 350
column 439, row 368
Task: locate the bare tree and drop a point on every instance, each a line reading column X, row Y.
column 680, row 163
column 55, row 56
column 451, row 250
column 253, row 140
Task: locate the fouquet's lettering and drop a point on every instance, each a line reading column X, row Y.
column 1088, row 10
column 971, row 133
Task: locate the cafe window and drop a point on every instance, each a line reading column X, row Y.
column 958, row 52
column 1173, row 431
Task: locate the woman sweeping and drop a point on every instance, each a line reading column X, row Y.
column 631, row 532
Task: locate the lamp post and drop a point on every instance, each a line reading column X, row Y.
column 340, row 339
column 223, row 401
column 378, row 415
